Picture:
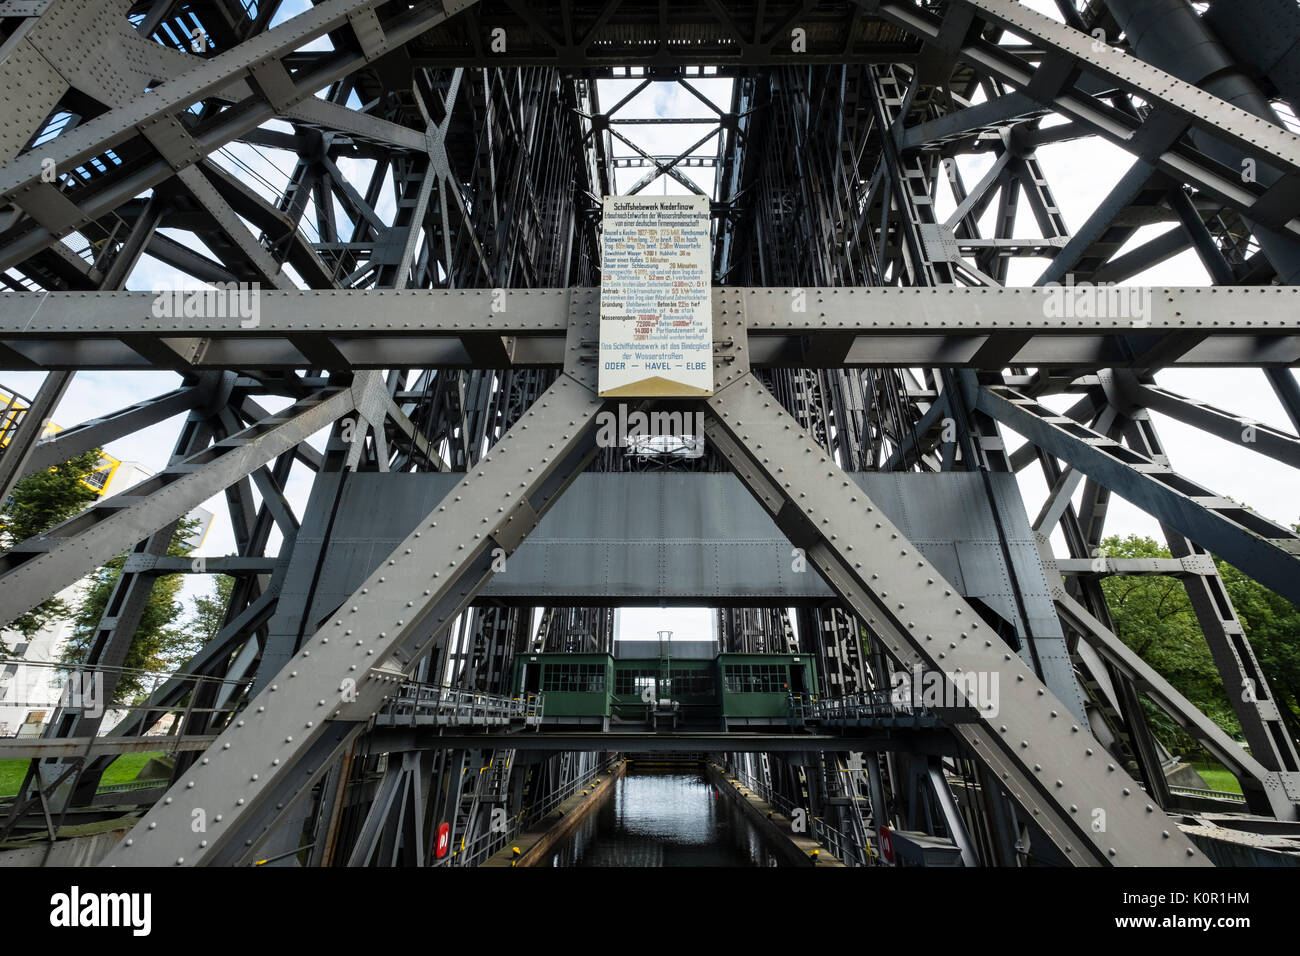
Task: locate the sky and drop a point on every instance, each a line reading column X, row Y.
column 1081, row 173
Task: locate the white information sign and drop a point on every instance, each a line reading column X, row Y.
column 656, row 307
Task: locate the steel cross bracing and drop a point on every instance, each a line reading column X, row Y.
column 260, row 762
column 260, row 759
column 827, row 171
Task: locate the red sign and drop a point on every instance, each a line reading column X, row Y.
column 886, row 845
column 444, row 839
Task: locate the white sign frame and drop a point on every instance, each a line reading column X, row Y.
column 656, row 302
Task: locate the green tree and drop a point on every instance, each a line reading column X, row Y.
column 1273, row 625
column 39, row 502
column 160, row 644
column 210, row 610
column 1154, row 617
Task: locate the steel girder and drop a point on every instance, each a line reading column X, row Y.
column 571, row 34
column 19, row 456
column 1273, row 785
column 41, row 566
column 97, row 432
column 983, row 328
column 283, row 744
column 787, row 345
column 272, row 753
column 1255, row 704
column 1273, row 442
column 1266, row 551
column 254, row 77
column 78, row 749
column 1178, row 107
column 920, row 621
column 1266, row 791
column 265, row 57
column 115, row 631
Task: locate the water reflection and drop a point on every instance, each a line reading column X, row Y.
column 664, row 819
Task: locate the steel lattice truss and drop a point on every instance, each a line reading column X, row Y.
column 428, row 261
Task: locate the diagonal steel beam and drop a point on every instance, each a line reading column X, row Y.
column 1057, row 772
column 1246, row 432
column 98, row 432
column 259, row 64
column 167, row 696
column 1268, row 552
column 41, row 566
column 259, row 59
column 664, row 169
column 1178, row 107
column 1265, row 792
column 18, row 457
column 285, row 738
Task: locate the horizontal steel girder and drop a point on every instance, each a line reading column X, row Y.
column 986, row 328
column 92, row 747
column 659, row 538
column 289, row 732
column 911, row 741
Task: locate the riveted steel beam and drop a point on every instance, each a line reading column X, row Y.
column 1176, row 107
column 39, row 567
column 912, row 741
column 98, row 432
column 1045, row 761
column 1265, row 790
column 1238, row 429
column 255, row 77
column 336, row 681
column 1267, row 551
column 947, row 327
column 18, row 457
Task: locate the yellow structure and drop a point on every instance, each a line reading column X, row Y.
column 12, row 409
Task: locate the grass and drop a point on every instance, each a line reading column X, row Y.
column 1216, row 777
column 122, row 770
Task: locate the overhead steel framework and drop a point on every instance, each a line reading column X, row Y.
column 398, row 206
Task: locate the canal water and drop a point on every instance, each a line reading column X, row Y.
column 664, row 819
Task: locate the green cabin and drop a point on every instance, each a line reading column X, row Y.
column 722, row 692
column 572, row 685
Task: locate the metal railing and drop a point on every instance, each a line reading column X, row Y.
column 419, row 703
column 487, row 843
column 876, row 703
column 13, row 407
column 1209, row 794
column 842, row 846
column 151, row 783
column 54, row 686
